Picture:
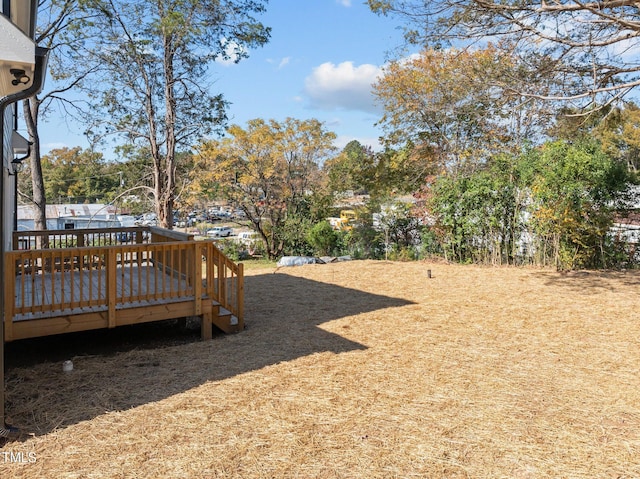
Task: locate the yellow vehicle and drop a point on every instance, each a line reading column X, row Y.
column 348, row 216
column 345, row 222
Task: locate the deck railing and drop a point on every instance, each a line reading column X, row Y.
column 224, row 281
column 73, row 238
column 108, row 269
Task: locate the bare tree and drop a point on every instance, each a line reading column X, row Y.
column 589, row 48
column 152, row 88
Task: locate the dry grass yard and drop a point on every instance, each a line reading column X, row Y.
column 352, row 370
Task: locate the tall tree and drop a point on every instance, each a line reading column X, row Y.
column 587, row 46
column 78, row 176
column 345, row 170
column 575, row 191
column 477, row 217
column 443, row 103
column 152, row 87
column 616, row 127
column 619, row 134
column 271, row 170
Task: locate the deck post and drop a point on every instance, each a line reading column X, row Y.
column 10, row 289
column 111, row 287
column 240, row 296
column 222, row 280
column 206, row 326
column 209, row 269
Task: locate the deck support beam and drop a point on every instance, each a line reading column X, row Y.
column 206, row 326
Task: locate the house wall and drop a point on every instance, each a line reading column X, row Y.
column 22, row 13
column 5, row 138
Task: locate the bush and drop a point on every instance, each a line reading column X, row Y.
column 231, row 248
column 323, row 238
column 408, row 253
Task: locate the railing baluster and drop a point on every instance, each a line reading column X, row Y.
column 196, row 278
column 90, row 277
column 163, row 278
column 148, row 278
column 132, row 254
column 51, row 272
column 45, row 263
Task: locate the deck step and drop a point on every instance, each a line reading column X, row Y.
column 224, row 320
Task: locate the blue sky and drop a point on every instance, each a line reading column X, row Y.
column 320, row 62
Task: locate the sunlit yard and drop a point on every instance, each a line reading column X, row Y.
column 357, row 369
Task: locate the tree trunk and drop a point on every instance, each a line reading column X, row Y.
column 31, row 107
column 166, row 203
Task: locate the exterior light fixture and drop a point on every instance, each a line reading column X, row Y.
column 20, row 77
column 20, row 146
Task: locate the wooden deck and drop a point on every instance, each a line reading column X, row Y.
column 65, row 281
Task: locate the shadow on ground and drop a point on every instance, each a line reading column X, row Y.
column 130, row 366
column 590, row 282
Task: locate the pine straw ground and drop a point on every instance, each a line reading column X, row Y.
column 353, row 370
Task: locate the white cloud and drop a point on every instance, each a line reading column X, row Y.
column 232, row 52
column 343, row 86
column 281, row 63
column 285, row 61
column 344, row 3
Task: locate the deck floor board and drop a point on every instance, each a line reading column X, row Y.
column 77, row 289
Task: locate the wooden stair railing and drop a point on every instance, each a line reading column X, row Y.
column 225, row 285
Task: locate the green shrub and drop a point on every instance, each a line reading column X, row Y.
column 323, row 238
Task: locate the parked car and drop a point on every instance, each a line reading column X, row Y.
column 220, row 232
column 238, row 213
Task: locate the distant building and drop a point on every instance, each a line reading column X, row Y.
column 626, row 227
column 72, row 216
